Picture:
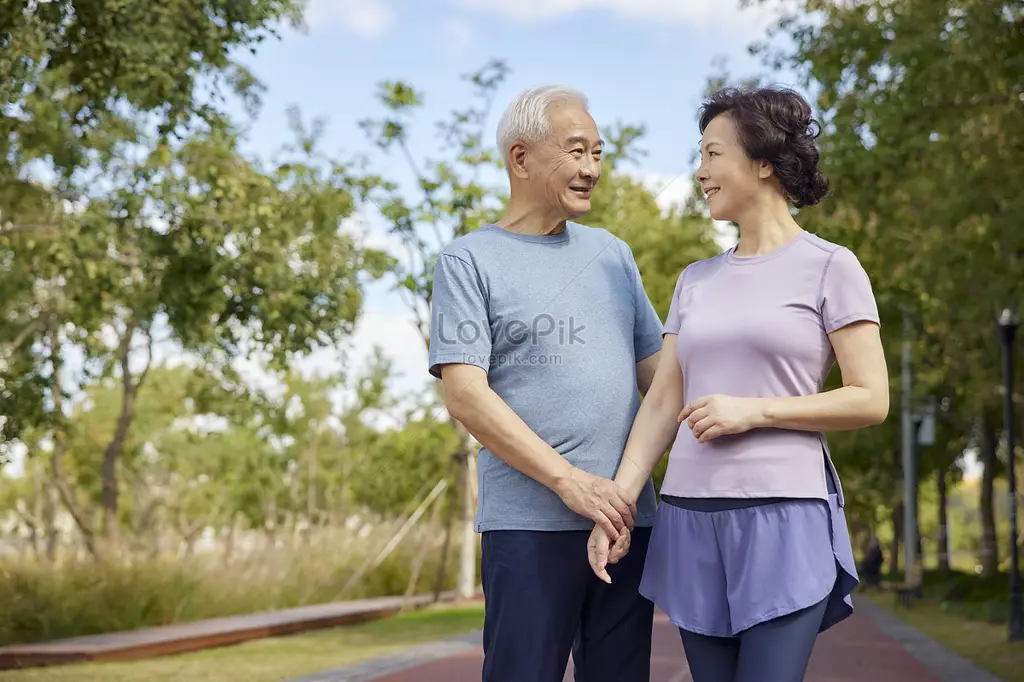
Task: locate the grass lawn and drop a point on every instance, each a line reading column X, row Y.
column 983, row 643
column 275, row 659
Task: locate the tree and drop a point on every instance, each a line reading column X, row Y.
column 206, row 248
column 453, row 199
column 895, row 147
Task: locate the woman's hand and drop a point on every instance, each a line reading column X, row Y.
column 721, row 415
column 601, row 552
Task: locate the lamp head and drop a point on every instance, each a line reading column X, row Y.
column 1007, row 325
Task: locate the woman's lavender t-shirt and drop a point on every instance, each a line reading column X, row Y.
column 758, row 327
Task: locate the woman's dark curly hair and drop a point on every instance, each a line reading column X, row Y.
column 775, row 125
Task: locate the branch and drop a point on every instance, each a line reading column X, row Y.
column 422, row 183
column 22, row 336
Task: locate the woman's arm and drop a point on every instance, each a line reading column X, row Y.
column 862, row 401
column 655, row 425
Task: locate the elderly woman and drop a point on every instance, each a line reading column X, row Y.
column 750, row 555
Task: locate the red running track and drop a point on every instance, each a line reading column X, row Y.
column 853, row 651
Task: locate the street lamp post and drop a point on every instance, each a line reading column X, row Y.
column 1007, row 331
column 923, row 420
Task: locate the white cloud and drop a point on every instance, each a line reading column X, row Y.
column 700, row 12
column 370, row 231
column 396, row 336
column 669, row 191
column 368, row 18
column 672, row 191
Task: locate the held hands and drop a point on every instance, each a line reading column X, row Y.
column 721, row 415
column 601, row 552
column 598, row 499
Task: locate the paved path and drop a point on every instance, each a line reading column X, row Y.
column 871, row 646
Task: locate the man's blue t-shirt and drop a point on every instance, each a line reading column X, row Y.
column 559, row 323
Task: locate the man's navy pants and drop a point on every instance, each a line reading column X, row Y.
column 543, row 600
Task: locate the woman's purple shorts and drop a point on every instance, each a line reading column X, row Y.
column 720, row 572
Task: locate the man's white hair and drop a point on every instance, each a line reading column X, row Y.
column 527, row 117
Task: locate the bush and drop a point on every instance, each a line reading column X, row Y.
column 42, row 602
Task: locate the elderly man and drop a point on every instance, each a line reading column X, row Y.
column 544, row 340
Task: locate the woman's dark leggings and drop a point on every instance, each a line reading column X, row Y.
column 774, row 651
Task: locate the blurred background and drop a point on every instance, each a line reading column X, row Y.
column 217, row 228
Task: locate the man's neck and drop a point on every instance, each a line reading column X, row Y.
column 523, row 219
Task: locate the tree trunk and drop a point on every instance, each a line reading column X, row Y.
column 449, row 520
column 467, row 559
column 989, row 548
column 943, row 541
column 229, row 543
column 467, row 567
column 45, row 513
column 313, row 460
column 115, row 447
column 897, row 533
column 50, row 520
column 60, row 444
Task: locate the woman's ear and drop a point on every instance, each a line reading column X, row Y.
column 764, row 170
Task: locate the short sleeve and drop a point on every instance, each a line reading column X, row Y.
column 846, row 294
column 646, row 323
column 672, row 320
column 460, row 332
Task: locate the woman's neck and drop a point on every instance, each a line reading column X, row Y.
column 766, row 230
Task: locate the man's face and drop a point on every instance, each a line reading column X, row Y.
column 563, row 169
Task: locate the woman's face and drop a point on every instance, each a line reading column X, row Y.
column 732, row 182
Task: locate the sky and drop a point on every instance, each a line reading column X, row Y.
column 638, row 61
column 641, row 62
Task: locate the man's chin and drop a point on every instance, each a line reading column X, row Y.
column 577, row 209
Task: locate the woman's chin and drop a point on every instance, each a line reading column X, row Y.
column 720, row 213
column 715, row 215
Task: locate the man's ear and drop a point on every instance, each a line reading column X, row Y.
column 517, row 159
column 764, row 170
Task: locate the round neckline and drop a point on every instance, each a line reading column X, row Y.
column 535, row 238
column 731, row 257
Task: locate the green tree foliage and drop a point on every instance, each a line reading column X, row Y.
column 923, row 133
column 466, row 189
column 130, row 216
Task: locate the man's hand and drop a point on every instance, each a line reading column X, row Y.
column 601, row 552
column 598, row 499
column 721, row 415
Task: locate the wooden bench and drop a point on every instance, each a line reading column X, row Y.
column 205, row 634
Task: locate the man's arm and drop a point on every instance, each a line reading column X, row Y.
column 470, row 400
column 645, row 370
